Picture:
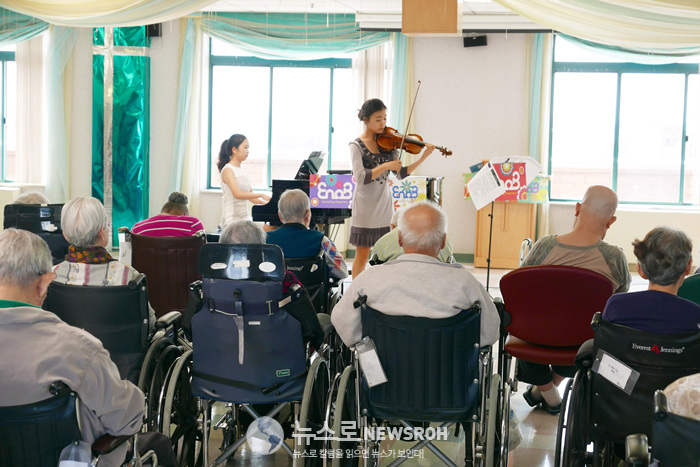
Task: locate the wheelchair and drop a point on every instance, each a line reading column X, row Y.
column 43, row 220
column 117, row 316
column 247, row 350
column 414, row 351
column 599, row 409
column 170, row 263
column 35, row 434
column 313, row 273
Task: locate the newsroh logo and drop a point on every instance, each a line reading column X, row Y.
column 658, row 349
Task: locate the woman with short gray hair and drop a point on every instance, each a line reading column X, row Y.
column 84, row 224
column 665, row 257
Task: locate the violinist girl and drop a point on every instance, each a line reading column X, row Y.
column 372, row 205
column 235, row 185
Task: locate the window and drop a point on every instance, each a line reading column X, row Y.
column 286, row 109
column 629, row 126
column 8, row 108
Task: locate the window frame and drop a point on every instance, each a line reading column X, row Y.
column 228, row 60
column 5, row 56
column 619, row 68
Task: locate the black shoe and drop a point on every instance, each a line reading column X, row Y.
column 553, row 409
column 530, row 398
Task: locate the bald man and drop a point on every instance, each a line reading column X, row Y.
column 416, row 283
column 583, row 247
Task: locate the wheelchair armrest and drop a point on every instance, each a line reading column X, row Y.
column 585, row 355
column 502, row 313
column 168, row 319
column 108, row 443
column 325, row 321
column 123, row 230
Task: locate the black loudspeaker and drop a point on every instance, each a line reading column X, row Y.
column 154, row 30
column 474, row 41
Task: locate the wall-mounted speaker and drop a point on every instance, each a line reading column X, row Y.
column 154, row 30
column 474, row 41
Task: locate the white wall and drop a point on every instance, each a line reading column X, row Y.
column 473, row 101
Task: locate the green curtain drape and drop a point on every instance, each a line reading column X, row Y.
column 16, row 27
column 290, row 36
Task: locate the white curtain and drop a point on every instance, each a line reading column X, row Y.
column 668, row 27
column 60, row 50
column 185, row 170
column 30, row 135
column 91, row 13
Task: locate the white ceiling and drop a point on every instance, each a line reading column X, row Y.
column 477, row 15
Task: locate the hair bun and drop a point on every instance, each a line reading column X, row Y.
column 177, row 197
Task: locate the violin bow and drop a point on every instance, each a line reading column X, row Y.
column 408, row 122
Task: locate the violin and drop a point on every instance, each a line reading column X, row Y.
column 390, row 139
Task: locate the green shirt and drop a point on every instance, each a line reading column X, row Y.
column 14, row 304
column 387, row 248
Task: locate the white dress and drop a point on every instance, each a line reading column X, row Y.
column 232, row 208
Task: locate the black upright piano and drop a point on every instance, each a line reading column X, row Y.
column 321, row 218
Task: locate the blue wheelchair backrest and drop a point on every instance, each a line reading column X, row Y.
column 246, row 348
column 430, row 364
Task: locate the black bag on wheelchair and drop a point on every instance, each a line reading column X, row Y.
column 247, row 348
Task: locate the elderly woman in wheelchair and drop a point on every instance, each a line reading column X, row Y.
column 85, row 226
column 252, row 341
column 642, row 342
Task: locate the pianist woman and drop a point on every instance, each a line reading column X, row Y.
column 234, row 181
column 372, row 206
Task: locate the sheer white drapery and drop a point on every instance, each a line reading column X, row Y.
column 91, row 13
column 666, row 27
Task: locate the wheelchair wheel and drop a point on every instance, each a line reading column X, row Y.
column 345, row 415
column 160, row 357
column 571, row 443
column 181, row 417
column 312, row 416
column 504, row 415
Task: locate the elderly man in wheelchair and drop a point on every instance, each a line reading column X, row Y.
column 49, row 365
column 312, row 256
column 428, row 321
column 251, row 353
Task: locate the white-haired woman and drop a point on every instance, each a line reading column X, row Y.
column 84, row 224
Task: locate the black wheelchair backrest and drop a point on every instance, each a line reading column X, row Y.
column 659, row 360
column 430, row 364
column 241, row 262
column 313, row 273
column 117, row 316
column 35, row 434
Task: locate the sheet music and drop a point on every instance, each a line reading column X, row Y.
column 485, row 186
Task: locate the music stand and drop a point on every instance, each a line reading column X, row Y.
column 310, row 166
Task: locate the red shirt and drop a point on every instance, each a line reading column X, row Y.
column 165, row 225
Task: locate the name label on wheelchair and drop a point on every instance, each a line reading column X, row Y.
column 369, row 363
column 613, row 370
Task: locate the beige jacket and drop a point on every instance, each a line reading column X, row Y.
column 38, row 349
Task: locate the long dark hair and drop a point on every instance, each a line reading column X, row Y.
column 226, row 147
column 369, row 107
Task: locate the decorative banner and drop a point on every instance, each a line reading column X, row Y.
column 408, row 190
column 536, row 192
column 331, row 191
column 120, row 124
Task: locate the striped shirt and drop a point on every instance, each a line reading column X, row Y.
column 166, row 225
